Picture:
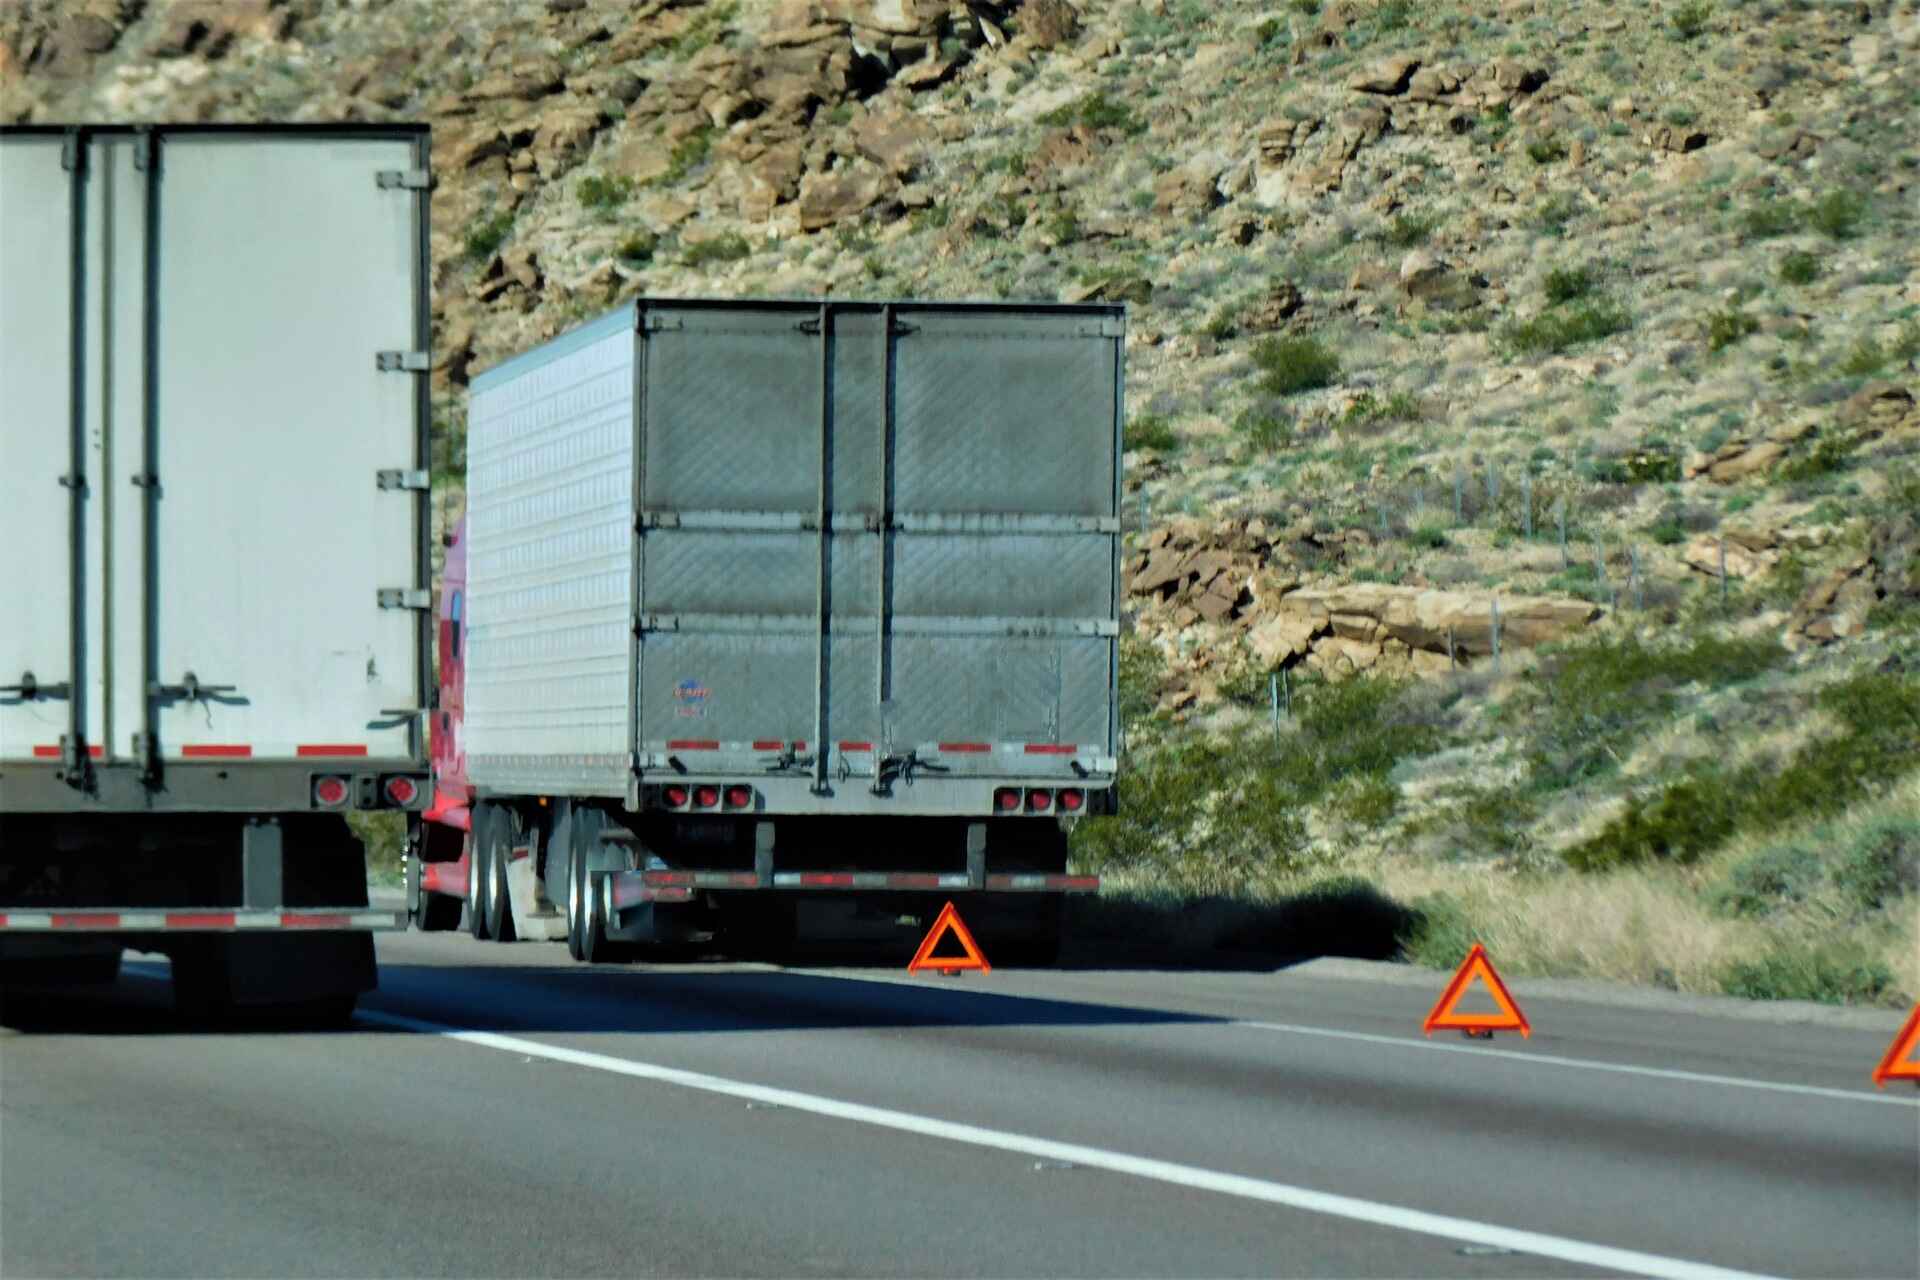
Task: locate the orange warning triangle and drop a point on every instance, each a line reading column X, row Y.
column 1477, row 966
column 948, row 921
column 1899, row 1064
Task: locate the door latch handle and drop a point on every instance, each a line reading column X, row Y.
column 189, row 688
column 29, row 689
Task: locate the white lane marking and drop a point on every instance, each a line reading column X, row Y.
column 1373, row 1213
column 1403, row 1042
column 1583, row 1064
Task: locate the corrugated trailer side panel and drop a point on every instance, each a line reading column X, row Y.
column 550, row 442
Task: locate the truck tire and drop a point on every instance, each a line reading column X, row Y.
column 429, row 912
column 496, row 900
column 586, row 922
column 484, row 816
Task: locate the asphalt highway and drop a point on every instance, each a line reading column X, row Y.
column 499, row 1110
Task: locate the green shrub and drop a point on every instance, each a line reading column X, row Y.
column 1097, row 111
column 1440, row 934
column 1881, row 719
column 1368, row 408
column 1830, row 972
column 1544, row 151
column 1770, row 218
column 1264, row 430
column 1837, row 214
column 1150, row 431
column 1690, row 19
column 687, row 155
column 1564, row 284
column 1222, row 324
column 1668, row 533
column 1308, row 8
column 1408, row 230
column 485, row 237
column 603, row 195
column 1554, row 331
column 1832, row 453
column 730, row 247
column 1203, row 813
column 1783, row 875
column 1597, row 696
column 1866, row 359
column 1799, row 267
column 1291, row 365
column 1726, row 327
column 637, row 248
column 1880, row 862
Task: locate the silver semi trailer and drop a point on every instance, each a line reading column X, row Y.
column 782, row 601
column 213, row 557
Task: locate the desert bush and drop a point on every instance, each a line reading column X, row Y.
column 1564, row 284
column 1594, row 697
column 1690, row 19
column 485, row 237
column 1368, row 408
column 1880, row 715
column 1150, row 431
column 730, row 247
column 1838, row 971
column 1440, row 933
column 600, row 195
column 1837, row 214
column 1097, row 111
column 637, row 248
column 1768, row 218
column 1797, row 266
column 1291, row 365
column 1554, row 331
column 1209, row 814
column 1879, row 861
column 1408, row 230
column 1544, row 151
column 1728, row 326
column 1264, row 429
column 1775, row 877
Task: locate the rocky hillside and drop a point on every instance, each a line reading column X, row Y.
column 1457, row 330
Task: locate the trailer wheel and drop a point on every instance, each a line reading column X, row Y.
column 495, row 897
column 586, row 924
column 484, row 817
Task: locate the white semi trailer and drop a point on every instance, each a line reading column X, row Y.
column 214, row 588
column 769, row 602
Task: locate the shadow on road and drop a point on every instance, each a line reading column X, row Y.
column 577, row 999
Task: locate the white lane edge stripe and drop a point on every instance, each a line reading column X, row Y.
column 1464, row 1230
column 1405, row 1042
column 1584, row 1064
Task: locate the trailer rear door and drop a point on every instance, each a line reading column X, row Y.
column 194, row 422
column 888, row 528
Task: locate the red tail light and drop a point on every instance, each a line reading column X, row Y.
column 706, row 797
column 739, row 797
column 676, row 797
column 1039, row 801
column 401, row 791
column 1071, row 800
column 1006, row 799
column 330, row 792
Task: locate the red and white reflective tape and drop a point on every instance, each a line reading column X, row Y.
column 231, row 751
column 1018, row 883
column 115, row 920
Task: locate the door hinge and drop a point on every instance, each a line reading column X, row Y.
column 29, row 688
column 1108, row 327
column 653, row 323
column 401, row 362
column 405, row 598
column 73, row 480
column 403, row 180
column 394, row 478
column 73, row 153
column 142, row 151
